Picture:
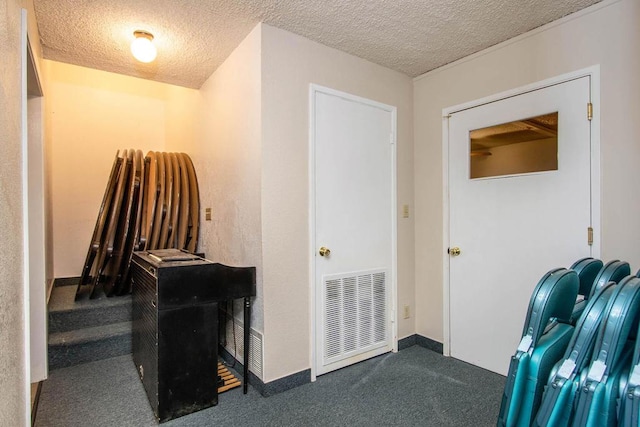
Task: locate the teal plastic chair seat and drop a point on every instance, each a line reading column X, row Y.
column 613, row 271
column 600, row 382
column 556, row 409
column 545, row 336
column 587, row 269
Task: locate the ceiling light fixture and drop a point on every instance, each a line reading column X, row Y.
column 142, row 47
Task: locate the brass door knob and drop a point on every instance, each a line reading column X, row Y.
column 324, row 251
column 454, row 251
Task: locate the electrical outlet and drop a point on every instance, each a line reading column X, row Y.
column 405, row 211
column 207, row 214
column 407, row 312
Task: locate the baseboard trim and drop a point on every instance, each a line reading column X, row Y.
column 425, row 342
column 271, row 388
column 429, row 343
column 406, row 342
column 66, row 281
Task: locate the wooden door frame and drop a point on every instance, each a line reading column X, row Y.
column 313, row 90
column 594, row 78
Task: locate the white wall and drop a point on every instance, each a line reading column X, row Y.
column 12, row 327
column 15, row 372
column 607, row 34
column 289, row 64
column 90, row 115
column 250, row 152
column 227, row 155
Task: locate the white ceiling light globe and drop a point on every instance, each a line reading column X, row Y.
column 143, row 48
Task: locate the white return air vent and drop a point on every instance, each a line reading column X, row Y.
column 355, row 314
column 235, row 344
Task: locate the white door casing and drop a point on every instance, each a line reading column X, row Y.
column 25, row 219
column 352, row 212
column 36, row 222
column 512, row 229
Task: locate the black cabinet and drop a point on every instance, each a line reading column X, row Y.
column 175, row 326
column 175, row 339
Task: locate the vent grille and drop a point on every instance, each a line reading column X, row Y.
column 235, row 344
column 355, row 314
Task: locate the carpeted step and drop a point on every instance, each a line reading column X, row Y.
column 89, row 344
column 65, row 314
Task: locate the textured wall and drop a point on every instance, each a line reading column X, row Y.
column 289, row 64
column 227, row 155
column 12, row 357
column 608, row 36
column 90, row 115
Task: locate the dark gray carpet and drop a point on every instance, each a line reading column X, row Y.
column 414, row 387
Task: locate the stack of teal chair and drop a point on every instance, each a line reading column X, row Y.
column 629, row 415
column 587, row 270
column 599, row 392
column 556, row 409
column 545, row 336
column 613, row 271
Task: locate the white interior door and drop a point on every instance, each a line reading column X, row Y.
column 513, row 228
column 353, row 216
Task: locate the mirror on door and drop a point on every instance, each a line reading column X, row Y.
column 518, row 147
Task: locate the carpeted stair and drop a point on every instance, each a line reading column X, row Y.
column 87, row 330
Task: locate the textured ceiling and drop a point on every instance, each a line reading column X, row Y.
column 194, row 37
